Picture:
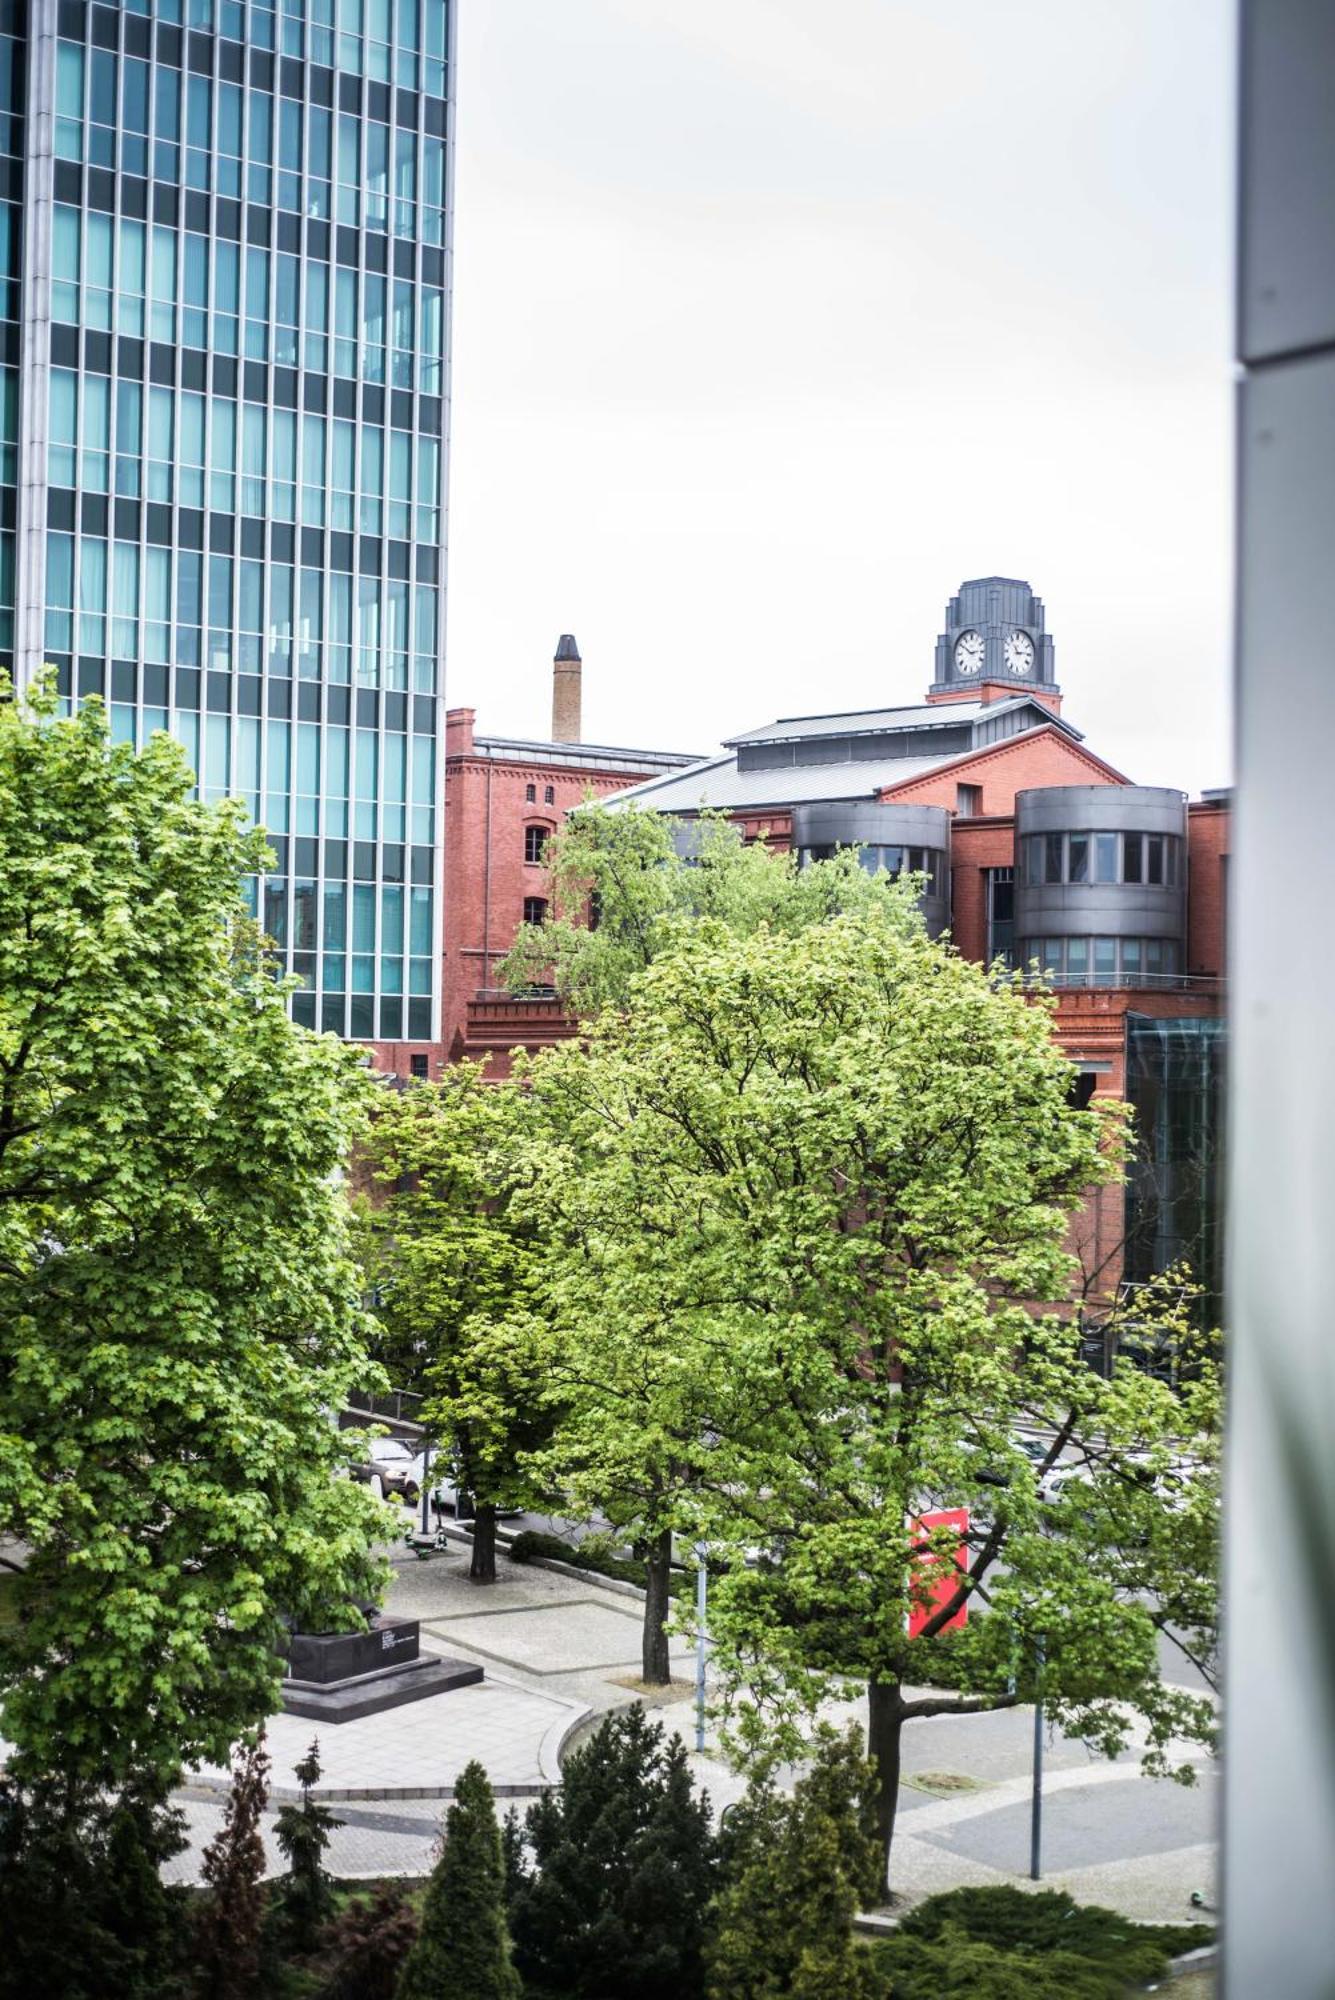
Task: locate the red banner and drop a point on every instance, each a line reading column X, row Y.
column 938, row 1573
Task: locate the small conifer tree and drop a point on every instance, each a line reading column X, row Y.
column 303, row 1831
column 463, row 1947
column 230, row 1919
column 799, row 1868
column 622, row 1877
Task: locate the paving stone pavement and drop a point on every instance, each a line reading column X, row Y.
column 556, row 1650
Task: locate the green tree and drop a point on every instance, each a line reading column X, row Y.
column 83, row 1909
column 303, row 1833
column 463, row 1948
column 178, row 1306
column 368, row 1940
column 618, row 1896
column 229, row 1921
column 450, row 1256
column 798, row 1870
column 622, row 879
column 822, row 1181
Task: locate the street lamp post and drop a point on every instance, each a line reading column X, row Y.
column 701, row 1599
column 1036, row 1807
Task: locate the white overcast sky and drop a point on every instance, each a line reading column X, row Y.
column 775, row 319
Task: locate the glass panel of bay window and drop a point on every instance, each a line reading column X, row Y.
column 229, row 140
column 1132, row 857
column 97, row 247
column 372, row 479
column 157, row 603
column 312, row 471
column 315, row 318
column 373, row 327
column 253, row 426
column 283, row 456
column 227, row 298
column 125, row 600
column 1154, row 858
column 1105, row 852
column 1051, row 958
column 1077, row 857
column 424, row 639
column 134, row 116
column 246, row 771
column 161, row 450
column 287, row 270
column 280, row 618
column 220, row 613
column 259, row 145
column 69, row 101
column 60, row 593
column 377, row 175
column 1052, row 856
column 250, row 616
column 195, row 291
column 92, row 596
column 167, row 123
column 189, row 605
column 64, row 432
column 340, row 628
column 257, row 304
column 346, row 323
column 400, row 485
column 289, row 154
column 129, row 437
column 405, row 183
column 66, row 244
column 198, row 128
column 1077, row 960
column 1105, row 960
column 310, row 624
column 368, row 631
column 190, row 447
column 319, row 161
column 1131, row 960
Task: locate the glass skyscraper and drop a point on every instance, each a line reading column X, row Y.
column 224, row 418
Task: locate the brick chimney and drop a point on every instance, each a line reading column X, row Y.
column 567, row 669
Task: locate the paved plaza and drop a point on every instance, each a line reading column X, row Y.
column 558, row 1650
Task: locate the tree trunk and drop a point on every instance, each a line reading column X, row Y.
column 886, row 1721
column 482, row 1568
column 657, row 1666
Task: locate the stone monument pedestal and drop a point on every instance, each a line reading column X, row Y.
column 339, row 1676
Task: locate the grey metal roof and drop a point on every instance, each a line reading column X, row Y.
column 884, row 721
column 580, row 756
column 717, row 782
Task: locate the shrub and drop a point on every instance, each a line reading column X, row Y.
column 797, row 1870
column 368, row 1942
column 596, row 1556
column 229, row 1920
column 616, row 1901
column 302, row 1831
column 1007, row 1941
column 463, row 1948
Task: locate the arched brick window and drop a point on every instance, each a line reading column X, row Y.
column 535, row 843
column 535, row 910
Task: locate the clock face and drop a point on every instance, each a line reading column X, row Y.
column 969, row 653
column 1020, row 653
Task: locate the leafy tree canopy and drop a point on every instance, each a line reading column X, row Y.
column 178, row 1306
column 813, row 1201
column 622, row 879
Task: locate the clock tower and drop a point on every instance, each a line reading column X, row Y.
column 994, row 645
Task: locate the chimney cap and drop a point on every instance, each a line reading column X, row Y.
column 566, row 649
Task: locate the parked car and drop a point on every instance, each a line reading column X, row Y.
column 395, row 1464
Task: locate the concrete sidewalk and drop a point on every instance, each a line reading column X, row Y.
column 559, row 1651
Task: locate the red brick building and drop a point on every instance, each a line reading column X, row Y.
column 1034, row 848
column 504, row 798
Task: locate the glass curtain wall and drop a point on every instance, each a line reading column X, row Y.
column 247, row 434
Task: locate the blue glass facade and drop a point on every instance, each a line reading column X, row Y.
column 239, row 397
